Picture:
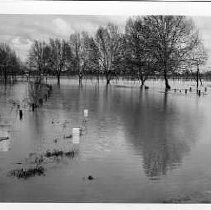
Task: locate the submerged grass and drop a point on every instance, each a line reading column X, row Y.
column 27, row 173
column 38, row 160
column 60, row 153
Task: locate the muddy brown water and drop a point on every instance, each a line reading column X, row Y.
column 141, row 146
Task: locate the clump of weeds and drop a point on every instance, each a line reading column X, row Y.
column 27, row 173
column 60, row 153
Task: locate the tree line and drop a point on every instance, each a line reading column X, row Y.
column 148, row 46
column 10, row 64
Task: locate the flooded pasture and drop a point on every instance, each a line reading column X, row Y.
column 136, row 145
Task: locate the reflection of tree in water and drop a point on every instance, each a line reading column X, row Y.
column 162, row 138
column 159, row 156
column 166, row 149
column 34, row 92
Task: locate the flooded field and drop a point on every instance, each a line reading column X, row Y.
column 136, row 145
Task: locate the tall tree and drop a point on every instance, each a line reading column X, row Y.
column 9, row 62
column 169, row 39
column 60, row 54
column 196, row 58
column 108, row 42
column 38, row 57
column 137, row 55
column 79, row 45
column 92, row 52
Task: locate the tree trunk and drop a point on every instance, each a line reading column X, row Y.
column 142, row 79
column 58, row 79
column 80, row 81
column 80, row 77
column 5, row 76
column 108, row 78
column 197, row 76
column 168, row 87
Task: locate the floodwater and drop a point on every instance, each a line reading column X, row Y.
column 143, row 146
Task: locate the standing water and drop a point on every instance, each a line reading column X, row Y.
column 137, row 145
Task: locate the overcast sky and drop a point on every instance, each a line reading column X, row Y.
column 20, row 30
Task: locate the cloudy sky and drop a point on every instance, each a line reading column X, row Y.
column 20, row 30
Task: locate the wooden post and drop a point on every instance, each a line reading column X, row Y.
column 21, row 114
column 33, row 107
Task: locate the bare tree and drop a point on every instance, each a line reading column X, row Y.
column 108, row 42
column 92, row 52
column 9, row 62
column 60, row 54
column 79, row 45
column 169, row 39
column 196, row 58
column 38, row 57
column 136, row 53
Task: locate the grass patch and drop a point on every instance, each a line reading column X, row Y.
column 38, row 170
column 60, row 153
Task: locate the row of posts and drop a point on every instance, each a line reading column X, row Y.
column 40, row 101
column 198, row 92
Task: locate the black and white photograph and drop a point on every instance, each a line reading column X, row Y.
column 105, row 108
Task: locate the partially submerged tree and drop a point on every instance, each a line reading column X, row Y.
column 196, row 58
column 108, row 42
column 78, row 46
column 59, row 56
column 38, row 57
column 92, row 57
column 169, row 39
column 137, row 56
column 9, row 62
